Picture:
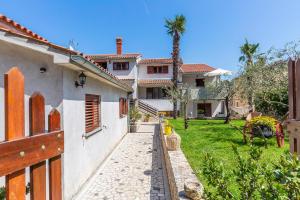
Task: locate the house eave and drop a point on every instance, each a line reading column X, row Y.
column 86, row 65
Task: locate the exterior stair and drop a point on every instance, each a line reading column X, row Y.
column 147, row 109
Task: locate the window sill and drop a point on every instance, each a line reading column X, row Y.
column 89, row 134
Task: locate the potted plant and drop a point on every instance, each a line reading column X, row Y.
column 263, row 126
column 147, row 117
column 168, row 128
column 134, row 117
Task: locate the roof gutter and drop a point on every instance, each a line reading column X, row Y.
column 79, row 60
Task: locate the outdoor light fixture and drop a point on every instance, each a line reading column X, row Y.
column 43, row 70
column 82, row 80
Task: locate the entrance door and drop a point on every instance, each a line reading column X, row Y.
column 204, row 109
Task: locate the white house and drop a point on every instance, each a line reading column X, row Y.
column 53, row 71
column 149, row 77
column 203, row 103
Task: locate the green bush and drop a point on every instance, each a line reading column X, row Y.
column 255, row 180
column 2, row 193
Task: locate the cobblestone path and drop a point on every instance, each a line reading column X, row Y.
column 133, row 171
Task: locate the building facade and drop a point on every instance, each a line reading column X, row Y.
column 150, row 76
column 53, row 70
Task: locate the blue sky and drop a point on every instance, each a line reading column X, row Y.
column 214, row 31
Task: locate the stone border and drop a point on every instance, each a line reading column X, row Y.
column 178, row 170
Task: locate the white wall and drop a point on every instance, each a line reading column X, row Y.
column 215, row 107
column 130, row 73
column 142, row 72
column 190, row 79
column 83, row 156
column 49, row 83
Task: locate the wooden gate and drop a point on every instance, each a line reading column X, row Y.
column 293, row 124
column 18, row 152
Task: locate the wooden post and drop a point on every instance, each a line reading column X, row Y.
column 55, row 182
column 293, row 124
column 14, row 128
column 37, row 126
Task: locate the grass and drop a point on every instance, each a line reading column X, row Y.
column 217, row 138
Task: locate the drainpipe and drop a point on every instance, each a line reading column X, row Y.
column 129, row 98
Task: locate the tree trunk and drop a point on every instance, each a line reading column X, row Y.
column 175, row 57
column 227, row 111
column 186, row 124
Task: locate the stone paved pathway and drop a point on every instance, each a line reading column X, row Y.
column 133, row 171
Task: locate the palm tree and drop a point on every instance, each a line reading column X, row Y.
column 175, row 28
column 248, row 52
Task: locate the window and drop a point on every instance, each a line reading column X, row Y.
column 123, row 107
column 200, row 82
column 156, row 93
column 92, row 112
column 103, row 64
column 157, row 69
column 121, row 66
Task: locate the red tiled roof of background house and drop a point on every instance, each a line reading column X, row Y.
column 97, row 57
column 194, row 68
column 155, row 82
column 156, row 61
column 13, row 26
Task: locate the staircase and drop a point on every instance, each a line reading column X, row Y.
column 147, row 109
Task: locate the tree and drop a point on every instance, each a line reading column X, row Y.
column 175, row 28
column 249, row 53
column 269, row 79
column 224, row 89
column 182, row 95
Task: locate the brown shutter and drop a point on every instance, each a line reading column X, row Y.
column 92, row 118
column 165, row 69
column 121, row 107
column 126, row 107
column 150, row 70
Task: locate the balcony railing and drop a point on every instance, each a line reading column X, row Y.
column 204, row 94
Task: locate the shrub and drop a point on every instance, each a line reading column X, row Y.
column 255, row 180
column 2, row 193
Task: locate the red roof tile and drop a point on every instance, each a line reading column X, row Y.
column 100, row 57
column 194, row 68
column 155, row 82
column 13, row 26
column 156, row 61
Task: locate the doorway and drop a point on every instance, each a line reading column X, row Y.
column 204, row 109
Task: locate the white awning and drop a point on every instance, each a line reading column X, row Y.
column 219, row 72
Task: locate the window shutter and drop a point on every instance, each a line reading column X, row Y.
column 92, row 109
column 150, row 70
column 120, row 107
column 126, row 107
column 165, row 69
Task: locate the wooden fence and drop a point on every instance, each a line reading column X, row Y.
column 293, row 124
column 18, row 152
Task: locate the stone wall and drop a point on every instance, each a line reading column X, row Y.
column 168, row 166
column 178, row 170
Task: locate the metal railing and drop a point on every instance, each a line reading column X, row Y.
column 148, row 109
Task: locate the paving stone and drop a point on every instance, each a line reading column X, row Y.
column 133, row 171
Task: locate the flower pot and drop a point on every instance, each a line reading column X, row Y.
column 264, row 131
column 133, row 128
column 168, row 129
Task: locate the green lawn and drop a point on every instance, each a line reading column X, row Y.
column 217, row 138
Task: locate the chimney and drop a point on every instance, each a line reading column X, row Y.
column 119, row 45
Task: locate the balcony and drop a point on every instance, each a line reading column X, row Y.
column 204, row 94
